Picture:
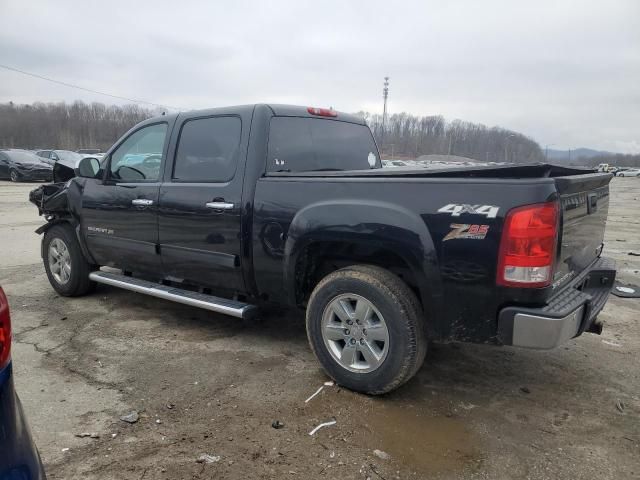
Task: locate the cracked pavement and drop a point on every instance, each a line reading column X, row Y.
column 209, row 384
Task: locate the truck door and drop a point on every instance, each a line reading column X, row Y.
column 120, row 211
column 200, row 202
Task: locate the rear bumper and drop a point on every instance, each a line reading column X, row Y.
column 569, row 313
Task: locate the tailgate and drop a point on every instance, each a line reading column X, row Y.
column 584, row 201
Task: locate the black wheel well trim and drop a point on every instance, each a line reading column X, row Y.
column 421, row 267
column 76, row 228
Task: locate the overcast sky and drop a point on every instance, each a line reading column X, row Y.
column 563, row 72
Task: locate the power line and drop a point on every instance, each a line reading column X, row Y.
column 6, row 67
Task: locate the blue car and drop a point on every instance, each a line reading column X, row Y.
column 19, row 458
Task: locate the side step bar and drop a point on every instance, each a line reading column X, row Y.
column 178, row 295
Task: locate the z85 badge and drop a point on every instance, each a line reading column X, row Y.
column 465, row 230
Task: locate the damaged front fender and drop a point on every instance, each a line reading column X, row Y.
column 61, row 203
column 59, row 199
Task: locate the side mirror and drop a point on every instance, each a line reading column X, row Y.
column 88, row 167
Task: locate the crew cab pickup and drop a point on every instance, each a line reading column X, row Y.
column 232, row 208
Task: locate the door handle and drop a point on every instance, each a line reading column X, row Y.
column 219, row 205
column 141, row 202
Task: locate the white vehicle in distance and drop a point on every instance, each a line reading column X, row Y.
column 632, row 172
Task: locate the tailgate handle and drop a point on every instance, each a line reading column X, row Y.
column 592, row 202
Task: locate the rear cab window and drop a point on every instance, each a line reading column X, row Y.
column 299, row 144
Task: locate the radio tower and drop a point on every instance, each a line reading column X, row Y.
column 385, row 94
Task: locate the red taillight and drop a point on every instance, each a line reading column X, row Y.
column 528, row 246
column 322, row 112
column 5, row 331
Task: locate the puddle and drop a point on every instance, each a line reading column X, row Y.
column 419, row 439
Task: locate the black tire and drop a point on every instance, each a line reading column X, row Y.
column 78, row 282
column 402, row 315
column 14, row 176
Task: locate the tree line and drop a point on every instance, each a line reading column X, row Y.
column 406, row 135
column 66, row 126
column 96, row 125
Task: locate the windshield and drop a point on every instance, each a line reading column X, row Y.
column 298, row 144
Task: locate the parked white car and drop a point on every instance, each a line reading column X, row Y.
column 632, row 172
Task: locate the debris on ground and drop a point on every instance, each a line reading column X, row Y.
column 87, row 434
column 326, row 384
column 625, row 290
column 132, row 417
column 634, row 254
column 525, row 390
column 65, row 449
column 317, row 392
column 613, row 344
column 206, row 458
column 322, row 425
column 277, row 424
column 620, row 406
column 170, row 405
column 381, row 455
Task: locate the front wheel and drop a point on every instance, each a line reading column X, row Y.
column 366, row 327
column 66, row 267
column 14, row 175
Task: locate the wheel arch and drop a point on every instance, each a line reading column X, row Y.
column 75, row 226
column 329, row 235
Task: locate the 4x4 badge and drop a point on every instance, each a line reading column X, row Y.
column 456, row 210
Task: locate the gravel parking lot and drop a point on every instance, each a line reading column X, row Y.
column 209, row 384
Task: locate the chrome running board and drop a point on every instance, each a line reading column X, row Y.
column 178, row 295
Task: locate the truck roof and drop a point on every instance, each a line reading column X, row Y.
column 277, row 109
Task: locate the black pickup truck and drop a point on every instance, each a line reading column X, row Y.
column 232, row 208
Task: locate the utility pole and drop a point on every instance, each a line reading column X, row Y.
column 546, row 151
column 385, row 94
column 506, row 143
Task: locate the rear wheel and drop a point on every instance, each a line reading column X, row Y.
column 67, row 269
column 14, row 176
column 366, row 328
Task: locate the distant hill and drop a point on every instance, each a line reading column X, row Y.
column 574, row 154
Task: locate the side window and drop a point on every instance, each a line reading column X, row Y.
column 208, row 150
column 139, row 157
